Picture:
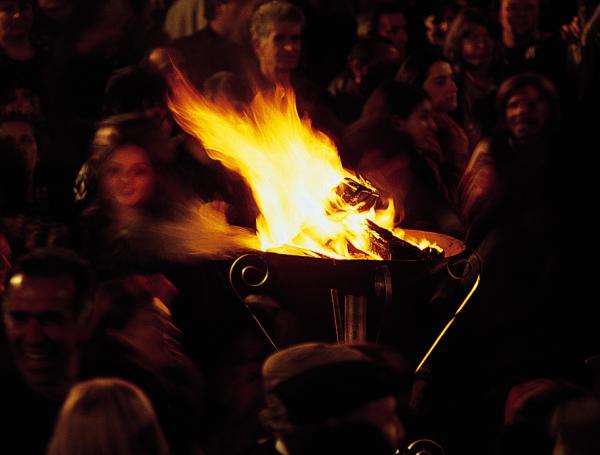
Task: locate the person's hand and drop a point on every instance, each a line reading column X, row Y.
column 571, row 32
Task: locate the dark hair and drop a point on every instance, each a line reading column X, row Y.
column 210, row 7
column 415, row 68
column 394, row 98
column 133, row 89
column 366, row 50
column 117, row 300
column 127, row 129
column 55, row 262
column 461, row 27
column 11, row 115
column 375, row 127
column 228, row 86
column 383, row 9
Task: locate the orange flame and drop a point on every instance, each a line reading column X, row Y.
column 293, row 172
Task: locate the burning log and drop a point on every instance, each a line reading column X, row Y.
column 355, row 194
column 363, row 198
column 391, row 247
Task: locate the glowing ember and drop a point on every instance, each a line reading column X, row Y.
column 309, row 204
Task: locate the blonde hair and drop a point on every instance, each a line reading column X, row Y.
column 107, row 416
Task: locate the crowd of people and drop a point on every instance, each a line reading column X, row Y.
column 471, row 115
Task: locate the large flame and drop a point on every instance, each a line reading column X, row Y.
column 294, row 171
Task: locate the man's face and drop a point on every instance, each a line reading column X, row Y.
column 22, row 133
column 527, row 113
column 279, row 52
column 42, row 329
column 477, row 46
column 393, row 27
column 519, row 16
column 16, row 18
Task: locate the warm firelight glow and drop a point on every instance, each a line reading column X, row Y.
column 293, row 171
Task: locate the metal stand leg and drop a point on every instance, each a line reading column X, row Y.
column 355, row 319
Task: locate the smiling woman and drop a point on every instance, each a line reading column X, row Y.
column 126, row 165
column 127, row 186
column 128, row 179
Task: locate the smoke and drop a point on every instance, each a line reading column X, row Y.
column 201, row 231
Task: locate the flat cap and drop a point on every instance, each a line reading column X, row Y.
column 311, row 383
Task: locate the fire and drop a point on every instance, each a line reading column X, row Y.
column 294, row 171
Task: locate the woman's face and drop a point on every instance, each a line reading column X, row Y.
column 419, row 125
column 128, row 179
column 441, row 88
column 477, row 46
column 527, row 113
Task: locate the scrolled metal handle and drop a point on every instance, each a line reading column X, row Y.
column 241, row 273
column 468, row 266
column 250, row 270
column 423, row 447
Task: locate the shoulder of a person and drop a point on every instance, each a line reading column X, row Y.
column 188, row 41
column 483, row 152
column 308, row 87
